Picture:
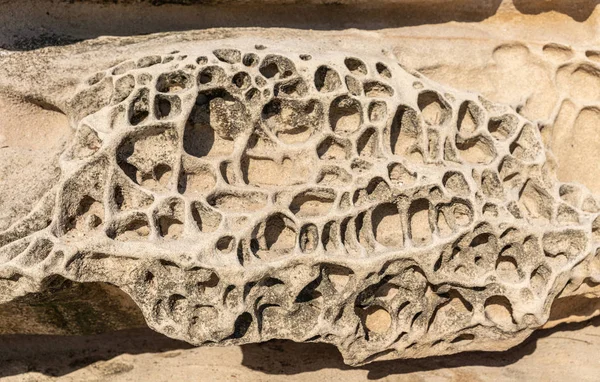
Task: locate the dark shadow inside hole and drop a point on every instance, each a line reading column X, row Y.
column 163, row 107
column 275, row 226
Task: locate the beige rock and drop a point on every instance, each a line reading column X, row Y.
column 259, row 184
column 241, row 192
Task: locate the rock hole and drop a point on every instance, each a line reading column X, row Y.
column 355, row 66
column 136, row 228
column 238, row 201
column 338, row 276
column 539, row 278
column 327, row 79
column 167, row 106
column 502, row 127
column 328, row 238
column 527, row 146
column 173, row 82
column 434, row 109
column 148, row 61
column 377, row 320
column 420, row 229
column 462, row 213
column 376, row 89
column 400, row 176
column 387, row 225
column 205, row 218
column 377, row 111
column 536, row 201
column 354, row 86
column 498, row 309
column 176, row 304
column 333, row 176
column 404, row 131
column 88, row 215
column 241, row 80
column 293, row 121
column 443, row 226
column 345, row 115
column 241, row 325
column 491, row 184
column 213, row 75
column 274, row 65
column 123, row 68
column 230, row 56
column 140, row 106
column 279, row 233
column 470, row 117
column 476, row 150
column 316, row 202
column 195, row 180
column 387, row 292
column 366, row 144
column 383, row 70
column 332, row 148
column 148, row 277
column 158, row 179
column 250, row 59
column 170, row 227
column 506, row 265
column 309, row 238
column 466, row 337
column 226, row 244
column 268, row 172
column 123, row 88
column 216, row 118
column 295, row 87
column 456, row 183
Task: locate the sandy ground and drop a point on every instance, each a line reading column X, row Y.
column 568, row 352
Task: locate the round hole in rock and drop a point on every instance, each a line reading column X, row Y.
column 225, row 244
column 241, row 80
column 387, row 225
column 377, row 319
column 498, row 309
column 345, row 115
column 172, row 82
column 434, row 109
column 327, row 79
column 355, row 65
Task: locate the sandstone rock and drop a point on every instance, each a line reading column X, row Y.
column 242, row 192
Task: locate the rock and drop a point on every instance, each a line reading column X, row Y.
column 241, row 193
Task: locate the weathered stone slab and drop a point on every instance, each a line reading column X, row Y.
column 240, row 192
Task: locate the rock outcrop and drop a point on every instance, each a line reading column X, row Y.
column 241, row 193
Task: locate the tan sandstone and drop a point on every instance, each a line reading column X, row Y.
column 257, row 184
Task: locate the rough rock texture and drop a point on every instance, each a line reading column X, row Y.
column 241, row 192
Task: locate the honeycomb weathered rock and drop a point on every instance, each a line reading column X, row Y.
column 240, row 195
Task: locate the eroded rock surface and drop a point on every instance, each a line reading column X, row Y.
column 244, row 193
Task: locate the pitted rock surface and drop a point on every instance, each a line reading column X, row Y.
column 243, row 194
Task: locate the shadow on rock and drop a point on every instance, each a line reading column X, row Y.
column 61, row 355
column 286, row 357
column 55, row 355
column 128, row 18
column 578, row 10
